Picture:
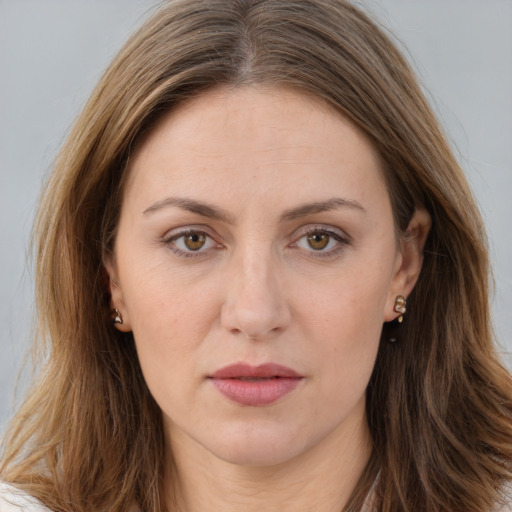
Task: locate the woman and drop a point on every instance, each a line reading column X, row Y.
column 262, row 283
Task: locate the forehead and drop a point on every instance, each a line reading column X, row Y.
column 249, row 141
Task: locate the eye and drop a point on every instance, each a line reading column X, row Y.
column 191, row 241
column 321, row 240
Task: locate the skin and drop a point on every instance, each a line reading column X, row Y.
column 259, row 290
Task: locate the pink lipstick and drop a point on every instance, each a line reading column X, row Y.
column 255, row 385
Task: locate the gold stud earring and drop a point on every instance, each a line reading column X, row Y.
column 400, row 307
column 118, row 319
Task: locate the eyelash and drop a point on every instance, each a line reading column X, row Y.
column 342, row 242
column 168, row 242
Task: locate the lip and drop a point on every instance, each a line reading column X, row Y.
column 273, row 381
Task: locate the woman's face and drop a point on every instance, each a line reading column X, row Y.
column 255, row 263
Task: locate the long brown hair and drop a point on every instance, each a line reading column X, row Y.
column 439, row 403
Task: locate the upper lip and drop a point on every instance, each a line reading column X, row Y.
column 267, row 370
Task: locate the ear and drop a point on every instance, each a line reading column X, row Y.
column 116, row 295
column 409, row 260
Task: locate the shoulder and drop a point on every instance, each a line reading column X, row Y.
column 504, row 507
column 506, row 501
column 14, row 500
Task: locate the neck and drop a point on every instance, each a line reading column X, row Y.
column 321, row 478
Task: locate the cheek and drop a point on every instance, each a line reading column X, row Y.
column 344, row 358
column 344, row 316
column 169, row 325
column 170, row 314
column 347, row 332
column 350, row 302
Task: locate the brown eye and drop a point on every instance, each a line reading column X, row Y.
column 194, row 241
column 318, row 241
column 191, row 242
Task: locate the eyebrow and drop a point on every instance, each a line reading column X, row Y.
column 190, row 205
column 321, row 206
column 214, row 212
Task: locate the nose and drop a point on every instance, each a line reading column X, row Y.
column 255, row 304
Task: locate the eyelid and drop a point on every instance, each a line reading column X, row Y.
column 337, row 234
column 195, row 228
column 176, row 233
column 327, row 228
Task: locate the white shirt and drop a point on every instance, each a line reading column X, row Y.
column 14, row 500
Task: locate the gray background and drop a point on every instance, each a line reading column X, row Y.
column 52, row 52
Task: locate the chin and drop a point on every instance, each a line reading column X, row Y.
column 255, row 456
column 257, row 447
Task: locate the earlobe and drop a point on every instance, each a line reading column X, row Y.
column 119, row 314
column 118, row 319
column 410, row 260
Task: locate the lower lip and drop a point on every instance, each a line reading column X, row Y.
column 256, row 392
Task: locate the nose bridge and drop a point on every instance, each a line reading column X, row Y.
column 255, row 303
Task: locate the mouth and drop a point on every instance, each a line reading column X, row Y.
column 257, row 379
column 255, row 386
